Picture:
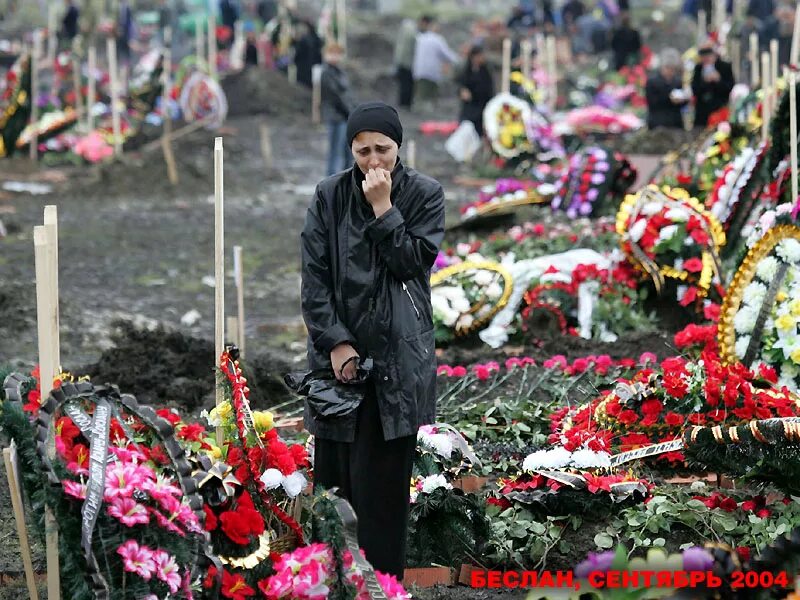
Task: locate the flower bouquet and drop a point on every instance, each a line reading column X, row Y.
column 505, row 120
column 119, row 485
column 506, row 194
column 668, row 234
column 760, row 321
column 734, row 182
column 593, row 174
column 596, row 119
column 718, row 150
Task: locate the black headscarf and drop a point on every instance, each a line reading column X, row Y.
column 375, row 116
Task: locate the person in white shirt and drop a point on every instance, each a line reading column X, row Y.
column 431, row 53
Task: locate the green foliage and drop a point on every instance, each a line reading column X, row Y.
column 446, row 527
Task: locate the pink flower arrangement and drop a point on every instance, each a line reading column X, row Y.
column 307, row 574
column 93, row 148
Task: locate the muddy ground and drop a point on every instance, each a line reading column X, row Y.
column 136, row 256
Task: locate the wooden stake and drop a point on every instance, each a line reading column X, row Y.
column 719, row 15
column 754, row 78
column 212, row 46
column 51, row 228
column 199, row 51
column 702, row 26
column 341, row 23
column 316, row 93
column 111, row 50
column 52, row 40
column 14, row 487
column 219, row 267
column 411, row 158
column 266, row 144
column 76, row 83
column 238, row 46
column 525, row 49
column 552, row 70
column 793, row 131
column 91, row 92
column 736, row 57
column 506, row 73
column 47, row 324
column 166, row 121
column 35, row 57
column 766, row 98
column 795, row 50
column 238, row 275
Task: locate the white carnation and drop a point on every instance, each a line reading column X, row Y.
column 547, row 459
column 589, row 459
column 667, row 233
column 294, row 484
column 651, row 208
column 434, row 482
column 745, row 319
column 440, row 443
column 483, row 278
column 789, row 250
column 494, row 291
column 741, row 346
column 754, row 294
column 767, row 268
column 677, row 215
column 271, row 478
column 637, row 230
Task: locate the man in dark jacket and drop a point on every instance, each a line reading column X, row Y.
column 664, row 93
column 336, row 104
column 712, row 83
column 476, row 88
column 779, row 26
column 626, row 43
column 371, row 235
column 69, row 24
column 307, row 52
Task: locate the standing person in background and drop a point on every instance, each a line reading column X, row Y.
column 307, row 52
column 760, row 9
column 431, row 54
column 124, row 32
column 228, row 13
column 250, row 49
column 69, row 24
column 404, row 62
column 570, row 13
column 626, row 43
column 337, row 103
column 712, row 83
column 779, row 26
column 665, row 94
column 476, row 88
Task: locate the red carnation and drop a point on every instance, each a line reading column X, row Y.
column 628, row 417
column 169, row 415
column 728, row 504
column 673, row 419
column 211, row 519
column 693, row 265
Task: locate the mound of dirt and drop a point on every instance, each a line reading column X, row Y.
column 163, row 367
column 657, row 141
column 258, row 91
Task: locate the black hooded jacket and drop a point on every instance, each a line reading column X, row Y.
column 366, row 283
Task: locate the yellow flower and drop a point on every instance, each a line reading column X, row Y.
column 795, row 307
column 781, row 296
column 785, row 323
column 215, row 452
column 221, row 412
column 506, row 139
column 262, row 420
column 516, row 129
column 795, row 356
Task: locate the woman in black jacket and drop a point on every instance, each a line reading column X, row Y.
column 371, row 236
column 477, row 88
column 664, row 93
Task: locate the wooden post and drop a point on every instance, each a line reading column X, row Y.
column 505, row 77
column 753, row 56
column 51, row 228
column 793, row 131
column 316, row 94
column 15, row 487
column 35, row 57
column 166, row 117
column 219, row 267
column 238, row 275
column 238, row 46
column 766, row 107
column 52, row 40
column 266, row 144
column 76, row 83
column 736, row 57
column 795, row 50
column 341, row 23
column 411, row 158
column 47, row 325
column 91, row 93
column 212, row 46
column 199, row 51
column 111, row 50
column 525, row 49
column 702, row 26
column 719, row 15
column 552, row 70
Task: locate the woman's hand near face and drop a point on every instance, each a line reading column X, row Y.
column 377, row 186
column 339, row 355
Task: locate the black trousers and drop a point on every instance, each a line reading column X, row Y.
column 405, row 82
column 374, row 475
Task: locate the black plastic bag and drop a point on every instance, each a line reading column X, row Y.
column 329, row 398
